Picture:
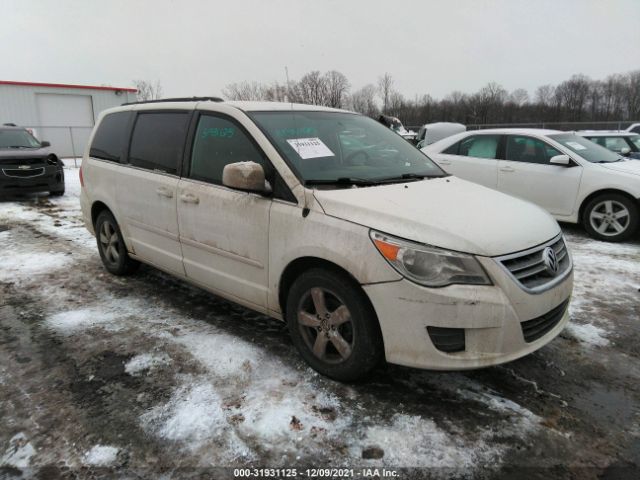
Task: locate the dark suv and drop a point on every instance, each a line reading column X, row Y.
column 27, row 165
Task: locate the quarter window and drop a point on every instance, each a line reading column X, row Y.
column 217, row 143
column 529, row 150
column 110, row 140
column 480, row 146
column 158, row 140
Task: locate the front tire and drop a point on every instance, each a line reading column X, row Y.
column 610, row 217
column 113, row 251
column 333, row 325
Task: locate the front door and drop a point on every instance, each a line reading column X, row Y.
column 224, row 232
column 473, row 158
column 527, row 173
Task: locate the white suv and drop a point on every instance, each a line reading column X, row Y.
column 576, row 180
column 330, row 221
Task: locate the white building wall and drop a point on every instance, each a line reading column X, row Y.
column 19, row 105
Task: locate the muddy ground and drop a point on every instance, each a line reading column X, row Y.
column 147, row 377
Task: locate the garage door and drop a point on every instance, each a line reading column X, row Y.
column 58, row 112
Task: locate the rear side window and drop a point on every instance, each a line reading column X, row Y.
column 453, row 149
column 480, row 146
column 217, row 143
column 110, row 140
column 158, row 141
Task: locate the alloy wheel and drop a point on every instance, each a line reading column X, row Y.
column 109, row 241
column 325, row 325
column 609, row 218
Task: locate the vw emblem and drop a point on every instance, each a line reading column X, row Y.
column 550, row 261
column 24, row 167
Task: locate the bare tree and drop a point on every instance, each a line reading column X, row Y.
column 312, row 88
column 337, row 88
column 364, row 101
column 519, row 97
column 385, row 87
column 148, row 90
column 245, row 91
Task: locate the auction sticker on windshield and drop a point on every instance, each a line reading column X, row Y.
column 310, row 147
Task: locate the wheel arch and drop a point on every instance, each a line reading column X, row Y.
column 597, row 193
column 96, row 208
column 297, row 267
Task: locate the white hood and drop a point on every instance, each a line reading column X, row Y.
column 444, row 212
column 626, row 166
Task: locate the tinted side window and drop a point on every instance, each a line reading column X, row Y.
column 480, row 146
column 110, row 140
column 158, row 140
column 219, row 142
column 529, row 150
column 453, row 149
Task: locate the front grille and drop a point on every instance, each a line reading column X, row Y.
column 20, row 173
column 540, row 326
column 447, row 339
column 528, row 268
column 22, row 161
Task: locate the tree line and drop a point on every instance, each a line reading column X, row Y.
column 578, row 99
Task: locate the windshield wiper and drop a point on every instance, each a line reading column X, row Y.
column 409, row 176
column 361, row 182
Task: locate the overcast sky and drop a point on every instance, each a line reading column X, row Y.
column 197, row 47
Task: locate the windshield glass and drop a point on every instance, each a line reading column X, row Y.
column 636, row 141
column 586, row 148
column 17, row 139
column 333, row 146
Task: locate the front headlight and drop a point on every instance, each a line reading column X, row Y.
column 429, row 266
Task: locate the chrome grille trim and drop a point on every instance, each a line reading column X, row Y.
column 18, row 173
column 526, row 267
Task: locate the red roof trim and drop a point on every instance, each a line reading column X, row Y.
column 65, row 85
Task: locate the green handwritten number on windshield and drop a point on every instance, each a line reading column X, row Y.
column 300, row 132
column 215, row 132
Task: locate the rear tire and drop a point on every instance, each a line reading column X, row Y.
column 333, row 325
column 57, row 193
column 113, row 251
column 610, row 217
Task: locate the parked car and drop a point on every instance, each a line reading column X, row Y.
column 27, row 165
column 386, row 257
column 623, row 143
column 576, row 180
column 634, row 128
column 432, row 132
column 396, row 125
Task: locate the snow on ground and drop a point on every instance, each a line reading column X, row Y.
column 19, row 453
column 145, row 362
column 73, row 321
column 589, row 334
column 101, row 456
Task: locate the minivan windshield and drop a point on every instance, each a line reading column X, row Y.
column 16, row 138
column 343, row 148
column 586, row 148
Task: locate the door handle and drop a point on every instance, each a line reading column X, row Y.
column 189, row 198
column 507, row 169
column 164, row 192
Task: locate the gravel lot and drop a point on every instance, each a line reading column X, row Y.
column 147, row 377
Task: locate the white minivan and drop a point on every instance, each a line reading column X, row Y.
column 331, row 222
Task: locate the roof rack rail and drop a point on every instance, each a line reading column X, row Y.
column 179, row 99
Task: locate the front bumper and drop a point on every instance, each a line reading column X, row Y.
column 491, row 317
column 39, row 178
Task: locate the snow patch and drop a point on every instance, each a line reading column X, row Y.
column 145, row 361
column 101, row 456
column 19, row 453
column 412, row 441
column 72, row 321
column 23, row 266
column 589, row 334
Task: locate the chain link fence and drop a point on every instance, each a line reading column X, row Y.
column 566, row 126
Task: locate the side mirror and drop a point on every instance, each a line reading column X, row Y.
column 45, row 144
column 561, row 160
column 246, row 176
column 625, row 151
